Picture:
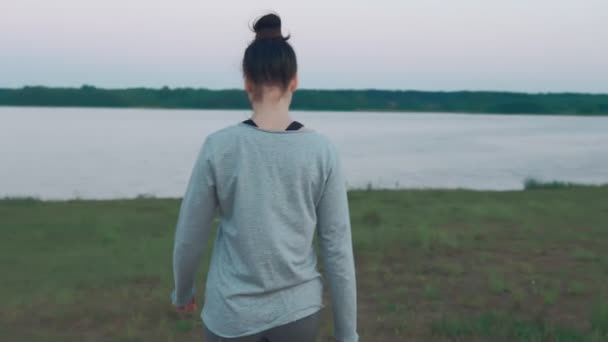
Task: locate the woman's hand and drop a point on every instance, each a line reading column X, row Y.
column 190, row 307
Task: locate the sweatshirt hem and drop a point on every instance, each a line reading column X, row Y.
column 284, row 319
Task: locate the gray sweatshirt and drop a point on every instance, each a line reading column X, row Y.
column 274, row 190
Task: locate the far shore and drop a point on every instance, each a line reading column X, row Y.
column 342, row 100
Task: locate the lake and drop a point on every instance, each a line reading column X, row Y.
column 98, row 153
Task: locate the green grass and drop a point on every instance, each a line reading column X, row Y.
column 599, row 319
column 431, row 265
column 432, row 292
column 551, row 294
column 576, row 288
column 584, row 255
column 498, row 283
column 504, row 326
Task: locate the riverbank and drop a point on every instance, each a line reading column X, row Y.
column 374, row 100
column 431, row 265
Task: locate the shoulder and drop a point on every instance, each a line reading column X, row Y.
column 223, row 133
column 327, row 145
column 219, row 138
column 207, row 147
column 325, row 150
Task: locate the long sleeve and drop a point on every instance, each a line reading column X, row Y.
column 193, row 226
column 335, row 241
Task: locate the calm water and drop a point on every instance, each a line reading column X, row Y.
column 60, row 153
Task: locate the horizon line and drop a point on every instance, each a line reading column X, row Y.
column 84, row 86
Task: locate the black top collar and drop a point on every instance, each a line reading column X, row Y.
column 293, row 126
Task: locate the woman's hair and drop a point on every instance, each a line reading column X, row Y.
column 269, row 59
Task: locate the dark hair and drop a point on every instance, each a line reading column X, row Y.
column 269, row 59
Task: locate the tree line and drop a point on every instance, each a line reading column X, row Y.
column 311, row 99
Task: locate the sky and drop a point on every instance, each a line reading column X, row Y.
column 511, row 45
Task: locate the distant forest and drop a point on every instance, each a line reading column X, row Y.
column 309, row 99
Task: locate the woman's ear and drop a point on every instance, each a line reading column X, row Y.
column 293, row 84
column 248, row 86
column 249, row 89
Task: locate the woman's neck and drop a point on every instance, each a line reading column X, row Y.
column 271, row 115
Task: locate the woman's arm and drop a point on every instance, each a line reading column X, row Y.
column 333, row 226
column 194, row 223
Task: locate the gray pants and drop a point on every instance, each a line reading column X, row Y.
column 303, row 330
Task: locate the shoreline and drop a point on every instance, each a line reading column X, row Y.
column 365, row 110
column 348, row 100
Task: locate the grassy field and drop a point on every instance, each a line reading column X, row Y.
column 432, row 265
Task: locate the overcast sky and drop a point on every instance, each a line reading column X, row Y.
column 518, row 45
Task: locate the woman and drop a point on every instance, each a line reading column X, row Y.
column 275, row 183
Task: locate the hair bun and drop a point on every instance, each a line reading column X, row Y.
column 268, row 27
